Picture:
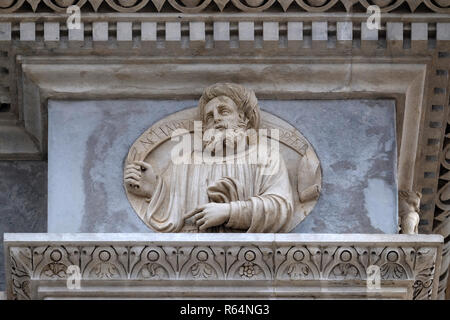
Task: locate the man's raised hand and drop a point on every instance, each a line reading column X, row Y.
column 140, row 179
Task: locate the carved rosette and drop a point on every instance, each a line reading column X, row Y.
column 250, row 263
column 237, row 263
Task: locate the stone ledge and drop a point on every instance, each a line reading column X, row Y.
column 223, row 265
column 17, row 144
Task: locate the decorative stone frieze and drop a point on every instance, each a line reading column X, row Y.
column 196, row 6
column 40, row 266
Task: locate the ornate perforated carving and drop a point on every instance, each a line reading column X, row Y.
column 195, row 6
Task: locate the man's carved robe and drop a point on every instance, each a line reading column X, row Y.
column 260, row 196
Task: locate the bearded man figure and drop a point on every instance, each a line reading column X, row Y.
column 231, row 193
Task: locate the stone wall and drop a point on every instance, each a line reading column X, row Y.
column 23, row 200
column 354, row 140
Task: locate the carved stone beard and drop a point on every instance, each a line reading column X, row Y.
column 217, row 138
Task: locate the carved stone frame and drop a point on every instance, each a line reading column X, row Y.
column 402, row 79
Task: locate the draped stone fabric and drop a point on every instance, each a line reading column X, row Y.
column 260, row 196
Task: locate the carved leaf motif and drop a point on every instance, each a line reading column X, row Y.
column 34, row 4
column 95, row 4
column 106, row 271
column 413, row 4
column 202, row 271
column 393, row 271
column 424, row 273
column 298, row 271
column 422, row 290
column 344, row 271
column 158, row 4
column 21, row 269
column 424, row 278
column 285, row 4
column 153, row 271
column 221, row 3
column 55, row 270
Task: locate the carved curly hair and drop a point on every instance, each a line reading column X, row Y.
column 245, row 99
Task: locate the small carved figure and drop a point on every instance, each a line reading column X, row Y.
column 408, row 209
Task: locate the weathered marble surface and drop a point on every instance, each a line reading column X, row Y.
column 23, row 200
column 356, row 145
column 354, row 139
